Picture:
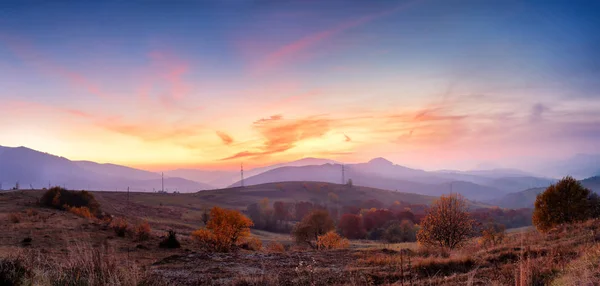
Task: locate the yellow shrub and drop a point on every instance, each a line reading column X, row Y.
column 80, row 211
column 119, row 225
column 142, row 231
column 223, row 231
column 332, row 240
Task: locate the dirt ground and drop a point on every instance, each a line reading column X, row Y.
column 56, row 235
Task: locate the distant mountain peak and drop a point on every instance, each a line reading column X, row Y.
column 380, row 161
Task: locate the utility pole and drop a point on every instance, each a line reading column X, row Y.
column 343, row 175
column 163, row 181
column 127, row 200
column 242, row 173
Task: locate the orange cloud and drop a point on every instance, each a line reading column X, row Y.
column 227, row 140
column 281, row 135
column 271, row 118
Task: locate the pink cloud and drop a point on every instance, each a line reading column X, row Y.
column 291, row 51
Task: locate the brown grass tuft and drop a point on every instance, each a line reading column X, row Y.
column 445, row 266
column 275, row 247
column 14, row 217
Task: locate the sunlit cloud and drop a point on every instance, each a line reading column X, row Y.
column 280, row 135
column 227, row 140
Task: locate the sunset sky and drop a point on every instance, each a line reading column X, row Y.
column 429, row 84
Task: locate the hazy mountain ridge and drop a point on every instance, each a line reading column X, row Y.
column 394, row 178
column 223, row 179
column 579, row 166
column 41, row 169
column 31, row 168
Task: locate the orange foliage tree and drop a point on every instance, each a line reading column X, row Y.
column 447, row 223
column 224, row 229
column 564, row 202
column 351, row 226
column 312, row 226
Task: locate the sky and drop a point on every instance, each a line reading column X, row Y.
column 210, row 84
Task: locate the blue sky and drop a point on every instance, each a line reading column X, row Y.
column 432, row 84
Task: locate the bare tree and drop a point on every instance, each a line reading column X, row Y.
column 447, row 224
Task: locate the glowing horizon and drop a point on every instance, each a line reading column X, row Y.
column 208, row 85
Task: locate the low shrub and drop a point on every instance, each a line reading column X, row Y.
column 12, row 272
column 252, row 243
column 170, row 241
column 14, row 217
column 59, row 198
column 80, row 211
column 142, row 231
column 275, row 247
column 492, row 235
column 31, row 212
column 332, row 240
column 119, row 225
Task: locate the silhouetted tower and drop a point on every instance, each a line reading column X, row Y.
column 242, row 174
column 163, row 181
column 343, row 175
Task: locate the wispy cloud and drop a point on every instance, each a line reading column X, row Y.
column 32, row 57
column 271, row 118
column 289, row 52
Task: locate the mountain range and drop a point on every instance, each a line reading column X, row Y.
column 383, row 174
column 37, row 169
column 34, row 169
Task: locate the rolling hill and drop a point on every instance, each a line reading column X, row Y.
column 306, row 191
column 526, row 198
column 331, row 173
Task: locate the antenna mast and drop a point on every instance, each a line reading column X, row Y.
column 343, row 175
column 242, row 174
column 163, row 181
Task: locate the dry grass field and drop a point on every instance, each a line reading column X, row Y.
column 45, row 246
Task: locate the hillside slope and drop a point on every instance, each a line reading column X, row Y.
column 332, row 174
column 526, row 198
